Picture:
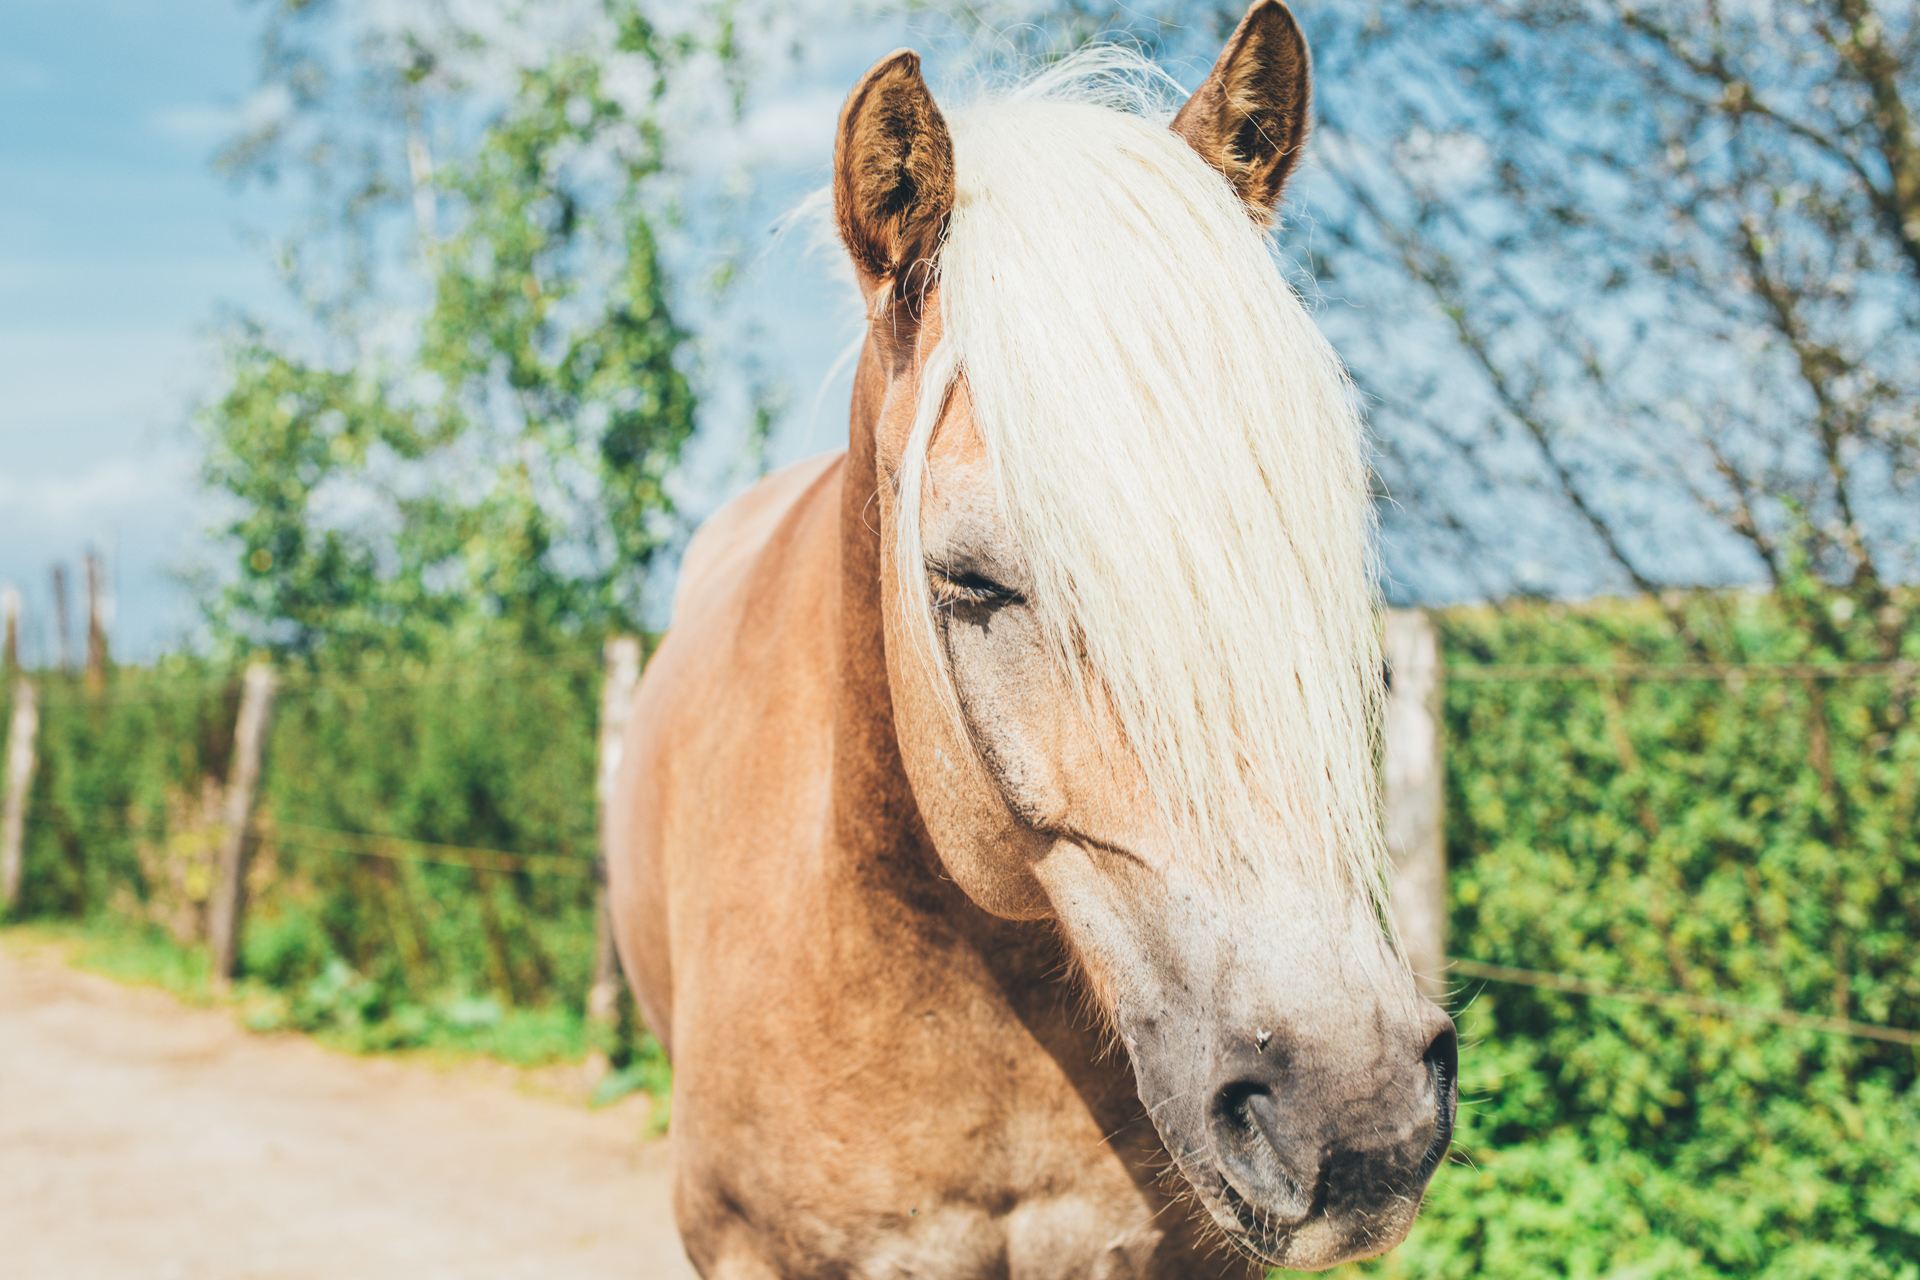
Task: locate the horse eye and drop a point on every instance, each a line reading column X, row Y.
column 953, row 586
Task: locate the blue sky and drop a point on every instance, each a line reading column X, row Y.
column 119, row 249
column 122, row 252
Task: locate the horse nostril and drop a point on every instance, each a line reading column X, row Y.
column 1443, row 1055
column 1251, row 1139
column 1442, row 1059
column 1232, row 1105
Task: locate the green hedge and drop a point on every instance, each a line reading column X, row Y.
column 497, row 758
column 118, row 769
column 479, row 752
column 1749, row 840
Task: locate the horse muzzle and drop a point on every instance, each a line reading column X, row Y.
column 1305, row 1160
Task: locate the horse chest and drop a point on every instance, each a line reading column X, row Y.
column 924, row 1117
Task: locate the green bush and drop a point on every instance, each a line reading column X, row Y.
column 1749, row 840
column 119, row 785
column 479, row 752
column 468, row 757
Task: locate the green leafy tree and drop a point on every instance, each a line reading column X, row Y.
column 493, row 462
column 453, row 465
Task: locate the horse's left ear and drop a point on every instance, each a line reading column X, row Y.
column 1249, row 120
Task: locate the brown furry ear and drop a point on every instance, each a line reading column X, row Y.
column 892, row 175
column 1249, row 120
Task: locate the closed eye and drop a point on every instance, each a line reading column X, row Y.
column 953, row 587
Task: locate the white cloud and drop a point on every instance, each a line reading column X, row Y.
column 206, row 123
column 797, row 130
column 107, row 493
column 105, row 382
column 195, row 123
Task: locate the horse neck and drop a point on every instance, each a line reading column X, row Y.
column 874, row 814
column 882, row 860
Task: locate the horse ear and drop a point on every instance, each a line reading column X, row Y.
column 892, row 173
column 1249, row 120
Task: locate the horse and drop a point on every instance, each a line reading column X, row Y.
column 996, row 846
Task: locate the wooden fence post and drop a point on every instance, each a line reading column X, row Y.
column 616, row 706
column 10, row 647
column 96, row 624
column 60, row 617
column 22, row 730
column 243, row 776
column 1415, row 796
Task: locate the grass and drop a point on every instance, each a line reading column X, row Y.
column 345, row 1011
column 133, row 954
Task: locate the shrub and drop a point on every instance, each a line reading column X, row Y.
column 1751, row 840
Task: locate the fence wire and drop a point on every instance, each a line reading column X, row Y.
column 368, row 844
column 402, row 849
column 191, row 688
column 1673, row 672
column 1706, row 1006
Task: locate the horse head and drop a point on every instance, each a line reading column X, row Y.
column 1129, row 624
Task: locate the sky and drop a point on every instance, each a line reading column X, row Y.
column 123, row 253
column 120, row 251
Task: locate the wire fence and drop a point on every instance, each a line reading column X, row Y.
column 389, row 848
column 1676, row 672
column 1704, row 1006
column 66, row 691
column 365, row 844
column 132, row 809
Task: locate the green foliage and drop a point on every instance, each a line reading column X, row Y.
column 338, row 1007
column 117, row 774
column 471, row 757
column 344, row 1009
column 368, row 954
column 1747, row 840
column 139, row 953
column 126, row 818
column 280, row 434
column 638, row 1064
column 494, row 474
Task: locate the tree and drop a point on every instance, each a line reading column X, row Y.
column 1633, row 288
column 496, row 455
column 1675, row 244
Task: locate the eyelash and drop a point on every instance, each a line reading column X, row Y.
column 950, row 589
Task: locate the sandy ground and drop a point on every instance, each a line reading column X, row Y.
column 140, row 1138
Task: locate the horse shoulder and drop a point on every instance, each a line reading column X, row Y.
column 742, row 601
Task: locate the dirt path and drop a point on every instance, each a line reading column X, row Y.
column 144, row 1140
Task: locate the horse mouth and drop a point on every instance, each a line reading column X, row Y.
column 1355, row 1208
column 1252, row 1231
column 1313, row 1243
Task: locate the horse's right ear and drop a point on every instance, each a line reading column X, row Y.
column 892, row 175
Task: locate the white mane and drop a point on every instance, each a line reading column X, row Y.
column 1178, row 455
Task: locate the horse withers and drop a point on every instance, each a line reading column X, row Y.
column 998, row 847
